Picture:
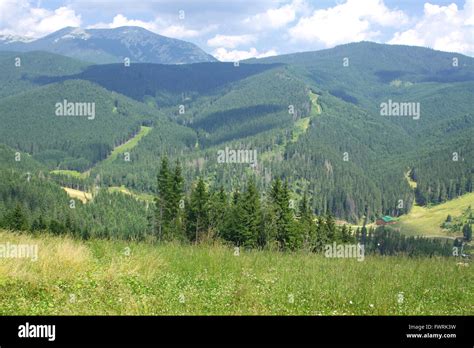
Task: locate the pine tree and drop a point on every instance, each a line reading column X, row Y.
column 177, row 191
column 307, row 227
column 163, row 200
column 322, row 237
column 304, row 208
column 276, row 191
column 252, row 215
column 269, row 231
column 176, row 223
column 198, row 212
column 235, row 222
column 286, row 232
column 276, row 194
column 331, row 228
column 219, row 212
column 17, row 220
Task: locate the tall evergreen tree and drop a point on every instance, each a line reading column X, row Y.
column 307, row 227
column 235, row 222
column 251, row 215
column 331, row 227
column 177, row 191
column 163, row 201
column 17, row 220
column 198, row 212
column 219, row 212
column 286, row 233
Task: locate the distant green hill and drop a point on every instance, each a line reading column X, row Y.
column 348, row 156
column 19, row 70
column 30, row 124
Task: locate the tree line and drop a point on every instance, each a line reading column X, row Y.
column 249, row 218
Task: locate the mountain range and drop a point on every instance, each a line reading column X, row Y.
column 102, row 46
column 314, row 118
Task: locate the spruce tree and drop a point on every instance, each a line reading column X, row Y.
column 235, row 222
column 304, row 208
column 163, row 200
column 17, row 220
column 322, row 235
column 331, row 228
column 286, row 233
column 177, row 191
column 198, row 212
column 219, row 212
column 307, row 227
column 176, row 204
column 251, row 215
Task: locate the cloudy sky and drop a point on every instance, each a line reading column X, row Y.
column 238, row 29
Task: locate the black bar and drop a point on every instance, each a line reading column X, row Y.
column 260, row 330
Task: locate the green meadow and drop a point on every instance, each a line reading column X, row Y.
column 427, row 220
column 105, row 277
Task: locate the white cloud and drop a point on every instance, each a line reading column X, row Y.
column 19, row 17
column 351, row 21
column 275, row 18
column 444, row 28
column 225, row 55
column 231, row 41
column 179, row 31
column 122, row 21
column 158, row 26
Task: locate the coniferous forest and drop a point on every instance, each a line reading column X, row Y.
column 244, row 217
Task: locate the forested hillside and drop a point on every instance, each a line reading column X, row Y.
column 19, row 70
column 30, row 123
column 313, row 121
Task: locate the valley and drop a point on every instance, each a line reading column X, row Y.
column 118, row 150
column 322, row 143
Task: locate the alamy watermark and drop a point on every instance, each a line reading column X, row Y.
column 237, row 156
column 334, row 250
column 408, row 109
column 66, row 108
column 19, row 251
column 37, row 331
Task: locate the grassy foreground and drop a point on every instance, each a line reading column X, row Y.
column 102, row 277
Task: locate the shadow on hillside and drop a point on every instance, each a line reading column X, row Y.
column 140, row 80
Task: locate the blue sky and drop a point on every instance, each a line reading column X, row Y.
column 239, row 29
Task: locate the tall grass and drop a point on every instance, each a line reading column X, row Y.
column 101, row 277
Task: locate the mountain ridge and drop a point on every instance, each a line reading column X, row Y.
column 247, row 107
column 101, row 46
